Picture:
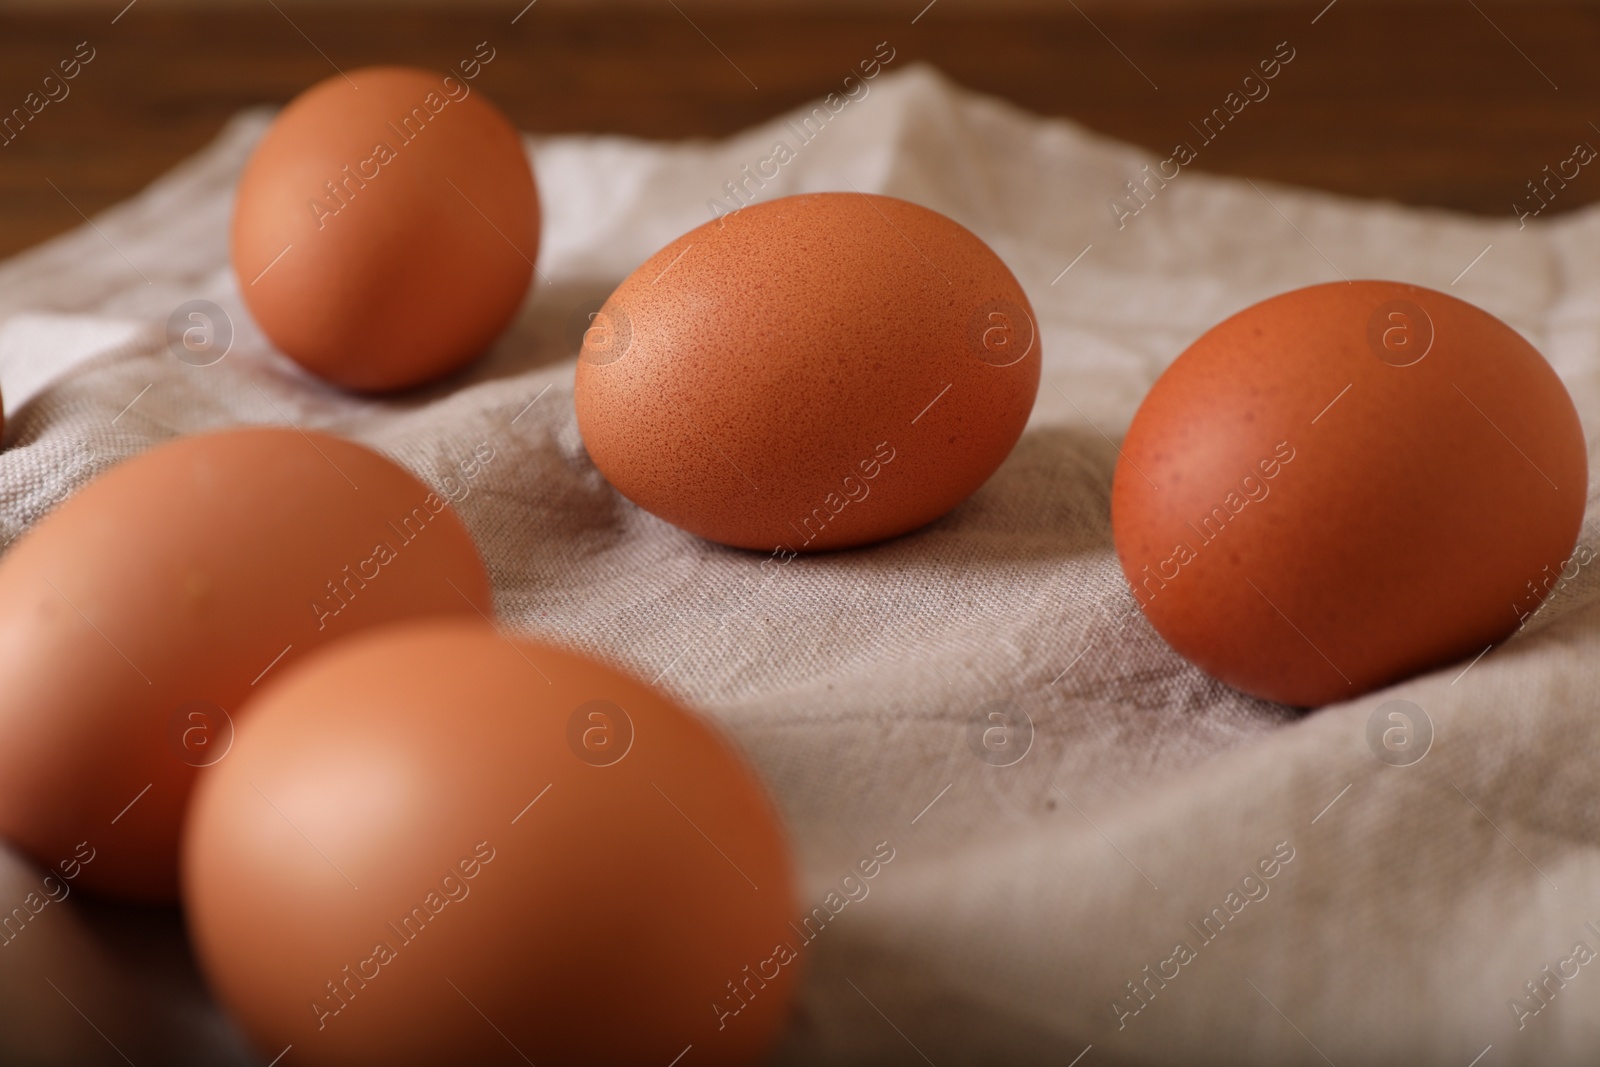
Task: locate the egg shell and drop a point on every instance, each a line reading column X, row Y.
column 809, row 373
column 386, row 227
column 1345, row 485
column 434, row 844
column 136, row 618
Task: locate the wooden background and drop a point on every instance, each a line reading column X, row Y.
column 1454, row 104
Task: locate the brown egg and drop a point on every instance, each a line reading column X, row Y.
column 385, row 229
column 433, row 844
column 1345, row 485
column 136, row 618
column 809, row 373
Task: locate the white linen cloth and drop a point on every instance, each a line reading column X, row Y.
column 1022, row 899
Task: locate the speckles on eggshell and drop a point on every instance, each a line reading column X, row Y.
column 802, row 341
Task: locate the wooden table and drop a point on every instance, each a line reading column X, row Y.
column 1457, row 105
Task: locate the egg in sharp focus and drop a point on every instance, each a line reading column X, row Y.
column 812, row 372
column 1345, row 485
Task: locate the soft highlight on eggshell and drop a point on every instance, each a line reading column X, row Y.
column 137, row 617
column 1345, row 485
column 386, row 227
column 808, row 373
column 434, row 845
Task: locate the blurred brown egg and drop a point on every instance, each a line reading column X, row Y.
column 809, row 373
column 136, row 618
column 432, row 844
column 1345, row 485
column 385, row 229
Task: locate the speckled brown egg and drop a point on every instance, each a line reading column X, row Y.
column 813, row 372
column 1345, row 485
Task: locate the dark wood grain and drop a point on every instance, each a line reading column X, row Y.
column 1429, row 104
